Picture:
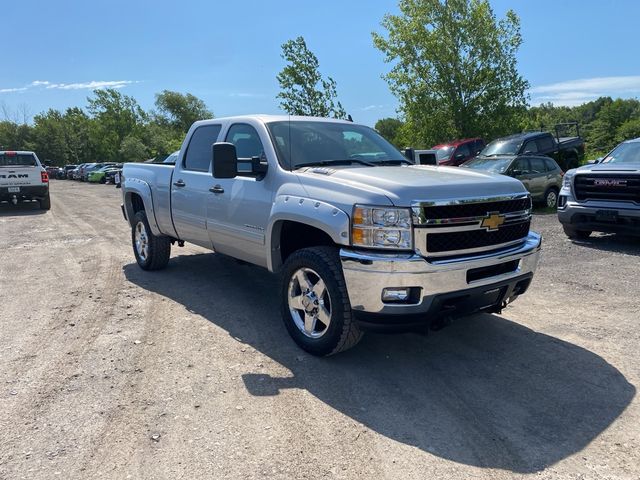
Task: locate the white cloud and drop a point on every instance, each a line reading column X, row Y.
column 247, row 95
column 92, row 85
column 372, row 107
column 576, row 92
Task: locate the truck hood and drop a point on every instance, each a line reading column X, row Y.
column 610, row 168
column 403, row 185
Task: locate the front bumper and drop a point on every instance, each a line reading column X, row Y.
column 588, row 215
column 367, row 274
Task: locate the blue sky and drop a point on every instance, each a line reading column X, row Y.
column 228, row 53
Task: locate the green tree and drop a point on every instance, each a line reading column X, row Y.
column 181, row 110
column 390, row 128
column 116, row 116
column 77, row 128
column 303, row 90
column 49, row 137
column 133, row 150
column 454, row 68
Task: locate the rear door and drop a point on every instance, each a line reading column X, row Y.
column 521, row 170
column 538, row 177
column 190, row 186
column 18, row 170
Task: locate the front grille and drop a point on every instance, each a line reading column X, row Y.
column 478, row 238
column 474, row 209
column 607, row 187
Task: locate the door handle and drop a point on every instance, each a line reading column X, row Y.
column 179, row 183
column 216, row 189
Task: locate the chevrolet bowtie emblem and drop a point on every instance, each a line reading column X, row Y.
column 492, row 221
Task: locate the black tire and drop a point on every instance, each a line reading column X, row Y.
column 155, row 251
column 575, row 234
column 342, row 331
column 551, row 197
column 103, row 180
column 45, row 203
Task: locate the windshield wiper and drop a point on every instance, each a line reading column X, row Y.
column 394, row 162
column 324, row 163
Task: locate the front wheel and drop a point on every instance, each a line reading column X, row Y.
column 315, row 303
column 152, row 252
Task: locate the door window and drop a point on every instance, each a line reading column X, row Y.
column 538, row 166
column 530, row 147
column 545, row 144
column 199, row 151
column 463, row 150
column 521, row 165
column 551, row 166
column 246, row 140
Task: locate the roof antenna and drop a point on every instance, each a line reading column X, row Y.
column 349, row 118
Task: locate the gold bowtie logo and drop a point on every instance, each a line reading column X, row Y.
column 492, row 221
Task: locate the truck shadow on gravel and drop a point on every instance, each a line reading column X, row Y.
column 615, row 243
column 21, row 209
column 485, row 391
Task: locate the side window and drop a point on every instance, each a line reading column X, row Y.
column 198, row 155
column 550, row 165
column 545, row 144
column 530, row 147
column 463, row 150
column 538, row 165
column 479, row 145
column 246, row 140
column 521, row 164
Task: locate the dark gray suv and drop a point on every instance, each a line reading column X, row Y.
column 539, row 174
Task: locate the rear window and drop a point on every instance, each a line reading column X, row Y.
column 18, row 160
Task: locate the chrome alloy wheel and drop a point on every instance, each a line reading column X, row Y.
column 141, row 241
column 552, row 199
column 309, row 303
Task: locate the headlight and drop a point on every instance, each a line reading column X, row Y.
column 381, row 227
column 566, row 180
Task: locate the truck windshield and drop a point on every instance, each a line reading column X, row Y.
column 501, row 147
column 492, row 165
column 303, row 143
column 624, row 153
column 17, row 160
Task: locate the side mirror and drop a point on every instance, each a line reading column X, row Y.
column 224, row 160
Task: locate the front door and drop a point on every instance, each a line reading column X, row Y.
column 190, row 187
column 239, row 210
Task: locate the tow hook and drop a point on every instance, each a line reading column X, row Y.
column 14, row 200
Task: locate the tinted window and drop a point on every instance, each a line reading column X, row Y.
column 538, row 165
column 551, row 165
column 199, row 151
column 545, row 144
column 530, row 147
column 521, row 164
column 444, row 153
column 246, row 140
column 23, row 160
column 478, row 146
column 463, row 150
column 502, row 147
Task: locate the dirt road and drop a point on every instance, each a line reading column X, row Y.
column 107, row 371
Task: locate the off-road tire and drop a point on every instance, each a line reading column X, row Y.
column 343, row 331
column 45, row 203
column 159, row 247
column 576, row 234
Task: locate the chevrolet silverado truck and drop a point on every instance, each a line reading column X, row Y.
column 361, row 237
column 603, row 197
column 22, row 177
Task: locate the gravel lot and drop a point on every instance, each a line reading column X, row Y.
column 107, row 371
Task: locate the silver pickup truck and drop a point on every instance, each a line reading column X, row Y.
column 361, row 237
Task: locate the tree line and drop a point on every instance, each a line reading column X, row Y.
column 453, row 70
column 113, row 127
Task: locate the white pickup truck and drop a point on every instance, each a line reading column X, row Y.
column 360, row 236
column 22, row 177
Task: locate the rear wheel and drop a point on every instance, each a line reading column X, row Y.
column 315, row 303
column 45, row 203
column 575, row 234
column 152, row 252
column 551, row 198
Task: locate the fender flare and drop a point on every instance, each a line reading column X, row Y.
column 315, row 213
column 143, row 190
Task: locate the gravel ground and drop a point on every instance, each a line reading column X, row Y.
column 107, row 371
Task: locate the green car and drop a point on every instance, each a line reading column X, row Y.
column 100, row 175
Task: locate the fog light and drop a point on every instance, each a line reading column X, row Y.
column 562, row 201
column 396, row 294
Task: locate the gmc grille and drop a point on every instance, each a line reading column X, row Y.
column 607, row 187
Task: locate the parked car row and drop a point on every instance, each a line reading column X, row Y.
column 97, row 172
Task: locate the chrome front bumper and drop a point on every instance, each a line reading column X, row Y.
column 368, row 273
